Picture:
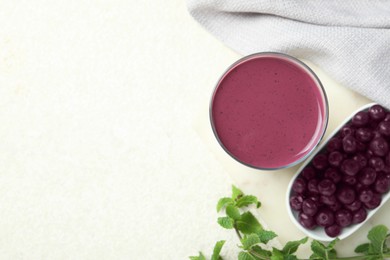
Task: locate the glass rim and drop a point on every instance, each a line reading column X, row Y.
column 297, row 62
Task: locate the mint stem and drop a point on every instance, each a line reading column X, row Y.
column 237, row 232
column 257, row 255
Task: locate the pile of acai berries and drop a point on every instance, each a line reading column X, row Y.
column 348, row 176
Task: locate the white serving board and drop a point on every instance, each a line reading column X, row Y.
column 270, row 187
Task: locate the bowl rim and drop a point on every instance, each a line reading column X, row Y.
column 298, row 63
column 347, row 231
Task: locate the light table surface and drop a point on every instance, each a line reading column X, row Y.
column 105, row 147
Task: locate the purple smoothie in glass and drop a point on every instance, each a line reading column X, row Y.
column 269, row 111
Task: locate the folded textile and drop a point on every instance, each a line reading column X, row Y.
column 349, row 39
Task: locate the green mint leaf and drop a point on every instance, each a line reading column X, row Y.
column 292, row 246
column 265, row 236
column 223, row 202
column 258, row 204
column 226, row 222
column 217, row 250
column 318, row 249
column 290, row 257
column 377, row 236
column 332, row 253
column 248, row 224
column 245, row 256
column 200, row 257
column 333, row 243
column 362, row 249
column 233, row 212
column 374, row 257
column 246, row 201
column 261, row 252
column 249, row 241
column 236, row 192
column 277, row 254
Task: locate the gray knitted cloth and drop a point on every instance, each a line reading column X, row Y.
column 349, row 39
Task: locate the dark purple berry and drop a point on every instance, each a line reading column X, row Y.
column 367, row 176
column 328, row 200
column 363, row 135
column 335, row 207
column 354, row 206
column 359, row 216
column 379, row 146
column 333, row 230
column 384, row 128
column 326, row 187
column 377, row 112
column 309, row 207
column 373, row 125
column 306, row 221
column 346, row 130
column 377, row 163
column 320, row 161
column 387, row 117
column 360, row 119
column 349, row 144
column 382, row 184
column 359, row 187
column 360, row 159
column 315, row 198
column 366, row 195
column 374, row 202
column 343, row 217
column 369, row 154
column 386, row 169
column 350, row 180
column 335, row 158
column 334, row 144
column 387, row 159
column 312, row 186
column 360, row 147
column 299, row 185
column 350, row 167
column 296, row 202
column 346, row 194
column 333, row 175
column 376, row 133
column 308, row 173
column 324, row 217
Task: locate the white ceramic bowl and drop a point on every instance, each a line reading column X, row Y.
column 319, row 233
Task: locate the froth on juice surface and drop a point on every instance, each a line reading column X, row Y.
column 268, row 112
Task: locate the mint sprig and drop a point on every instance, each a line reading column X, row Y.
column 254, row 238
column 217, row 250
column 226, row 222
column 200, row 257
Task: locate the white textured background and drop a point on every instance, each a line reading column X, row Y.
column 105, row 150
column 98, row 156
